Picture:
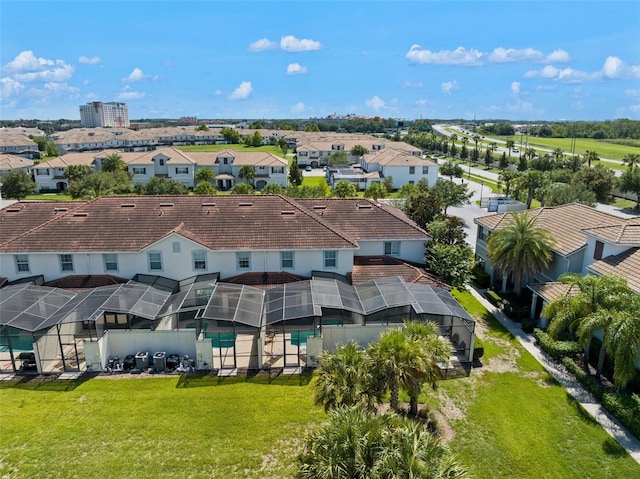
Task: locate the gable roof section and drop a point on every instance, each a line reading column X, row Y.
column 367, row 268
column 233, row 222
column 176, row 157
column 627, row 232
column 625, row 264
column 364, row 219
column 565, row 223
column 253, row 158
column 8, row 161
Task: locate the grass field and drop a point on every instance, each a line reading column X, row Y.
column 50, row 196
column 604, row 148
column 269, row 148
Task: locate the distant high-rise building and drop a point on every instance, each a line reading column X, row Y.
column 98, row 114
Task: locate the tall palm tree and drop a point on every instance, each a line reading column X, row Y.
column 345, row 378
column 590, row 156
column 598, row 305
column 510, row 144
column 204, row 174
column 631, row 159
column 521, row 249
column 623, row 342
column 113, row 162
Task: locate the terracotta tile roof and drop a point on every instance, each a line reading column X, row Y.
column 393, row 157
column 253, row 158
column 8, row 162
column 361, row 218
column 367, row 268
column 22, row 216
column 225, row 222
column 176, row 157
column 625, row 264
column 85, row 281
column 552, row 290
column 565, row 223
column 265, row 280
column 627, row 232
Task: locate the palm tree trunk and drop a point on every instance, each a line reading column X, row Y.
column 587, row 348
column 413, row 402
column 394, row 399
column 600, row 360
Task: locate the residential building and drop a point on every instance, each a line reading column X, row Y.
column 98, row 114
column 14, row 162
column 16, row 141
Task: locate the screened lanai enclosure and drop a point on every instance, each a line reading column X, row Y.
column 201, row 323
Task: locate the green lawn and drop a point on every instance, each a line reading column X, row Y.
column 604, row 148
column 511, row 420
column 312, row 181
column 50, row 196
column 270, row 148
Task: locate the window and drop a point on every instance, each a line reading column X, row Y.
column 199, row 260
column 330, row 259
column 412, row 170
column 286, row 259
column 155, row 261
column 243, row 260
column 139, row 171
column 176, row 246
column 225, row 161
column 110, row 262
column 392, row 248
column 182, row 170
column 425, row 170
column 161, row 162
column 66, row 262
column 22, row 263
column 597, row 254
column 277, row 169
column 42, row 171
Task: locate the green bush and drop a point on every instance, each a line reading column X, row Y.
column 556, row 349
column 478, row 348
column 528, row 325
column 494, row 298
column 480, row 277
column 626, row 407
column 589, row 383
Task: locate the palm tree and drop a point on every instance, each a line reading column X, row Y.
column 531, row 181
column 357, row 444
column 598, row 305
column 247, row 173
column 591, row 156
column 204, row 174
column 623, row 342
column 510, row 145
column 521, row 249
column 113, row 162
column 508, row 178
column 631, row 159
column 345, row 378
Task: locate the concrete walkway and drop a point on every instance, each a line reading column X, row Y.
column 573, row 387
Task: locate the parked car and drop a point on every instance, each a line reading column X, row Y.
column 515, row 150
column 308, row 168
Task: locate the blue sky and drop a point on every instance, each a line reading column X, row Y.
column 562, row 60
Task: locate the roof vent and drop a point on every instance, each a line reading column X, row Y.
column 12, row 210
column 208, row 204
column 319, row 207
column 166, row 205
column 364, row 206
column 127, row 205
column 81, row 215
column 245, row 204
column 60, row 210
column 288, row 212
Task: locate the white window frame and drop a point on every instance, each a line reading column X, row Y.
column 330, row 258
column 22, row 260
column 110, row 259
column 151, row 261
column 138, row 170
column 66, row 263
column 287, row 259
column 392, row 248
column 243, row 257
column 199, row 258
column 182, row 170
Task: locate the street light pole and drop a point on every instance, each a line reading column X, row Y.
column 481, row 190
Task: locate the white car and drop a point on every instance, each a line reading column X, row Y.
column 515, row 150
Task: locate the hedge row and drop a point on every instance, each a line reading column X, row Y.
column 556, row 349
column 625, row 407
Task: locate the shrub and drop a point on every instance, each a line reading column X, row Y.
column 494, row 298
column 556, row 349
column 626, row 407
column 589, row 383
column 481, row 278
column 528, row 325
column 478, row 348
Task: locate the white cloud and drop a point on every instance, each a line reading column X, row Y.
column 448, row 86
column 10, row 87
column 546, row 72
column 410, row 84
column 632, row 92
column 299, row 108
column 129, row 94
column 135, row 75
column 515, row 88
column 613, row 67
column 474, row 57
column 376, row 103
column 262, row 45
column 217, row 92
column 27, row 67
column 91, row 96
column 243, row 92
column 55, row 87
column 289, row 43
column 89, row 61
column 296, row 69
column 421, row 102
column 459, row 56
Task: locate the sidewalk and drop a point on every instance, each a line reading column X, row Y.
column 573, row 387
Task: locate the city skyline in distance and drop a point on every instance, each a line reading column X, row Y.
column 565, row 60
